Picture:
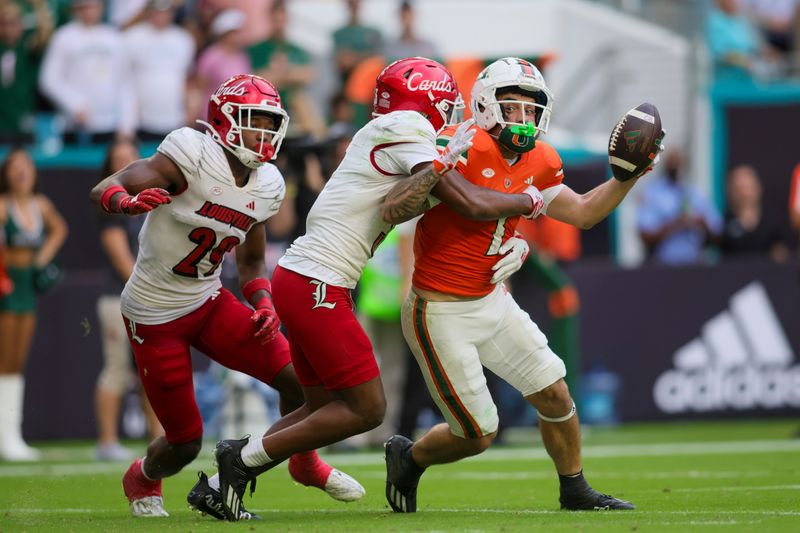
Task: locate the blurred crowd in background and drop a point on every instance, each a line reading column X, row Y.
column 117, row 73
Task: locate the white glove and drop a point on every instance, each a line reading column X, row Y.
column 656, row 159
column 516, row 250
column 537, row 199
column 460, row 142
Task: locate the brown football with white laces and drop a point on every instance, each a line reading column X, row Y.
column 634, row 141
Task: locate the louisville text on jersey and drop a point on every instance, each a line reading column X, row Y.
column 226, row 215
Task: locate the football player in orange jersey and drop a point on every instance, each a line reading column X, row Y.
column 459, row 318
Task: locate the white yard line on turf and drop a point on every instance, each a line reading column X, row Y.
column 596, row 474
column 611, row 515
column 496, row 454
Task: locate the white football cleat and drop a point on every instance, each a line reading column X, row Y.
column 149, row 506
column 342, row 487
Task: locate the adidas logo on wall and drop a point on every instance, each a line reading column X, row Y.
column 741, row 360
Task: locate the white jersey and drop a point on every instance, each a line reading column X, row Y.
column 182, row 245
column 344, row 225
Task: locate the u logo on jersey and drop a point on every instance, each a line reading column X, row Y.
column 320, row 293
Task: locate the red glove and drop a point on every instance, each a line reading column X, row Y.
column 145, row 201
column 264, row 315
column 267, row 319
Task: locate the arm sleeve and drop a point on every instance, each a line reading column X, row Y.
column 402, row 158
column 410, row 140
column 551, row 183
column 183, row 148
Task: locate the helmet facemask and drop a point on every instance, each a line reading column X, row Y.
column 234, row 139
column 232, row 110
column 501, row 84
column 451, row 111
column 520, row 136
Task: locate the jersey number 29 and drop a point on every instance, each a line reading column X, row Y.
column 205, row 238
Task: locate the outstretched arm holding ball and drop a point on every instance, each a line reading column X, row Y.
column 633, row 149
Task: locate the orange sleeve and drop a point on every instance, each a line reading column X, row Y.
column 554, row 168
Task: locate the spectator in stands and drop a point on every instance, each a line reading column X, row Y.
column 20, row 53
column 735, row 44
column 6, row 285
column 257, row 17
column 289, row 68
column 751, row 230
column 775, row 18
column 221, row 60
column 126, row 13
column 84, row 73
column 199, row 15
column 408, row 44
column 354, row 42
column 34, row 232
column 160, row 57
column 341, row 111
column 119, row 237
column 676, row 220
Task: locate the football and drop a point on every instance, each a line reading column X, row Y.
column 635, row 141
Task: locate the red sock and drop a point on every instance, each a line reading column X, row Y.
column 136, row 485
column 308, row 469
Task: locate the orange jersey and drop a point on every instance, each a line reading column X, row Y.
column 454, row 255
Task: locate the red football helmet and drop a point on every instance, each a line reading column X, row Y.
column 229, row 112
column 419, row 84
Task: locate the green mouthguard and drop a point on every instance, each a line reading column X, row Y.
column 527, row 130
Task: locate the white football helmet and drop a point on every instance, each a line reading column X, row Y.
column 511, row 72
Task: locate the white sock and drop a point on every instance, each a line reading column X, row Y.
column 253, row 453
column 213, row 482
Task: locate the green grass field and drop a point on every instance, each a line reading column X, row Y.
column 719, row 476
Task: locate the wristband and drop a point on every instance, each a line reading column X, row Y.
column 105, row 199
column 254, row 285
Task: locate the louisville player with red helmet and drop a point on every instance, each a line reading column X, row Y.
column 390, row 169
column 205, row 194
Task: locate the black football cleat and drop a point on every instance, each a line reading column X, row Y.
column 207, row 501
column 234, row 476
column 402, row 475
column 588, row 499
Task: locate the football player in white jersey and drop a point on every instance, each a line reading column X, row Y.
column 206, row 194
column 390, row 170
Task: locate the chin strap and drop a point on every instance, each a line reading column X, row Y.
column 560, row 418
